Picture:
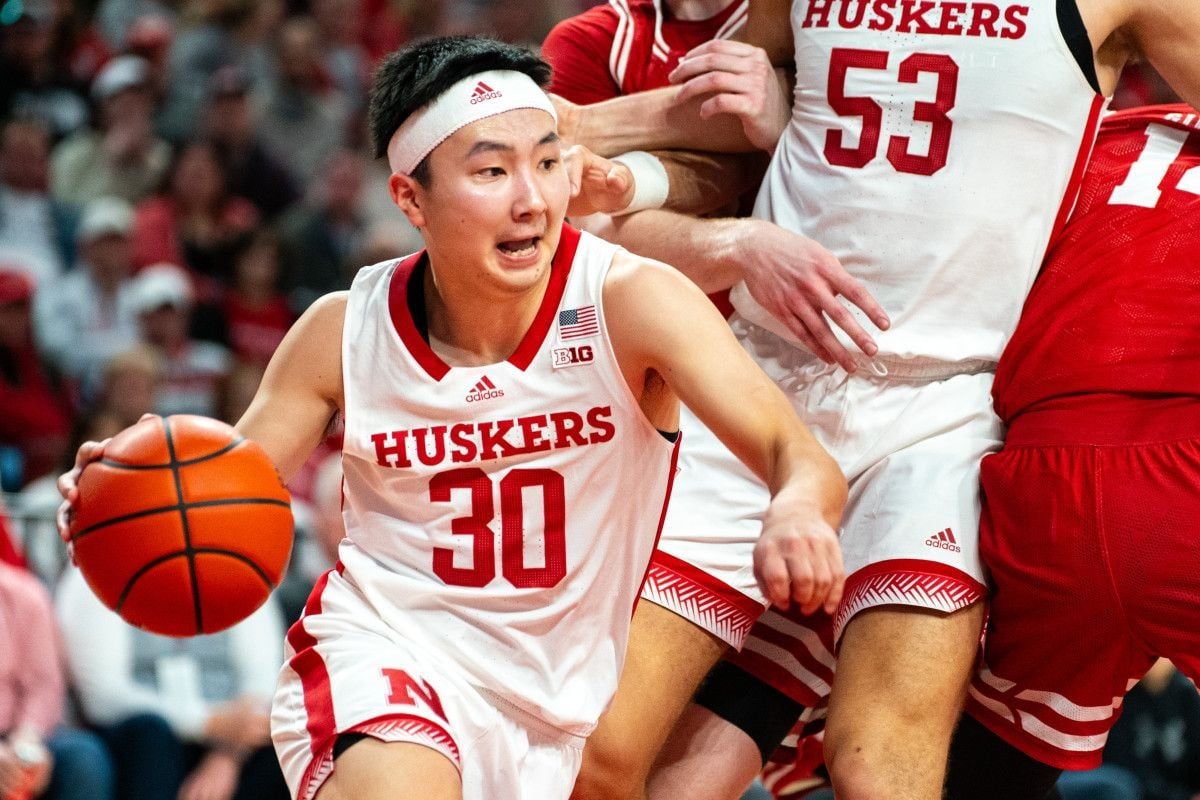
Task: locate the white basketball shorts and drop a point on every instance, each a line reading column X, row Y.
column 347, row 672
column 909, row 441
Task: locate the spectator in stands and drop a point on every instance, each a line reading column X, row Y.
column 345, row 59
column 129, row 390
column 117, row 18
column 34, row 79
column 185, row 719
column 257, row 315
column 229, row 123
column 322, row 235
column 86, row 317
column 36, row 230
column 303, row 121
column 36, row 419
column 195, row 221
column 193, row 373
column 37, row 758
column 123, row 158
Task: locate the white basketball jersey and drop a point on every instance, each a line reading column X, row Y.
column 503, row 516
column 932, row 147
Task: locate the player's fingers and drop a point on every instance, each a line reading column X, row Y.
column 854, row 291
column 145, row 417
column 825, row 337
column 822, row 579
column 727, row 46
column 800, row 330
column 712, row 83
column 575, row 168
column 841, row 316
column 773, row 579
column 710, row 62
column 800, row 571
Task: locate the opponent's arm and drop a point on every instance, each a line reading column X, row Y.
column 661, row 323
column 1167, row 34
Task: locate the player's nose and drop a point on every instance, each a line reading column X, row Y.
column 529, row 199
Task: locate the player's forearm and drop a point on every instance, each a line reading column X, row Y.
column 652, row 121
column 803, row 473
column 704, row 250
column 707, row 183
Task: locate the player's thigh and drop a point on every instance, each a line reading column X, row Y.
column 376, row 770
column 706, row 757
column 667, row 659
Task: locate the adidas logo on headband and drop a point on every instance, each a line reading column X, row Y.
column 483, row 92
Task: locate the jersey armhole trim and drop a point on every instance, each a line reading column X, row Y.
column 1070, row 23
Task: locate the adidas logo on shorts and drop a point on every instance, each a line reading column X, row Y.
column 483, row 92
column 484, row 390
column 944, row 540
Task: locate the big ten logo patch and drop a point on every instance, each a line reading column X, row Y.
column 405, row 691
column 573, row 356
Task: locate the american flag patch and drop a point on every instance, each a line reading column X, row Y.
column 575, row 323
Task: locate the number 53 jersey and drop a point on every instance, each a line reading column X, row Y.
column 502, row 517
column 933, row 147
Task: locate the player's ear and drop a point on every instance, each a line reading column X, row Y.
column 408, row 195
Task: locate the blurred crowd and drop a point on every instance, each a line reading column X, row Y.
column 179, row 180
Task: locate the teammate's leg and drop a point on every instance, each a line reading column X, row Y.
column 902, row 677
column 668, row 657
column 376, row 770
column 705, row 758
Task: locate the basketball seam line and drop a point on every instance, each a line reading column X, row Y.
column 201, row 550
column 187, row 530
column 108, row 462
column 233, row 501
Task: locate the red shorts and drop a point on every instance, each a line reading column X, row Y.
column 1091, row 531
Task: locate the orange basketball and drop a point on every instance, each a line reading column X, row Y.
column 183, row 527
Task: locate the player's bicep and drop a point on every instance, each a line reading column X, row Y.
column 665, row 323
column 768, row 25
column 302, row 388
column 1168, row 33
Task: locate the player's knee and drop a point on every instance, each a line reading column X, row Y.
column 610, row 772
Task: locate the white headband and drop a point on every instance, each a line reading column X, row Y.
column 477, row 97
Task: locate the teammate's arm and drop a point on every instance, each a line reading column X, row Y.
column 1167, row 34
column 660, row 323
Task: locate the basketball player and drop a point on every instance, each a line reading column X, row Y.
column 503, row 393
column 1090, row 508
column 932, row 148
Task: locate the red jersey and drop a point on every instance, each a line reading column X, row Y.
column 627, row 46
column 1115, row 308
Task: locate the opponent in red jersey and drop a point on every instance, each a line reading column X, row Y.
column 1089, row 520
column 627, row 46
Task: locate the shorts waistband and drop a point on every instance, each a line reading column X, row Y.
column 1106, row 420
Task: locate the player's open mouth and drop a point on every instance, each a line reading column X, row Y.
column 519, row 248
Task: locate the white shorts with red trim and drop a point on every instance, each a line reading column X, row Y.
column 346, row 672
column 910, row 442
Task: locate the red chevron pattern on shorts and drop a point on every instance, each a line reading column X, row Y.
column 906, row 582
column 696, row 596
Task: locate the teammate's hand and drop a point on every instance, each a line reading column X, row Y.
column 215, row 778
column 798, row 282
column 568, row 118
column 743, row 82
column 68, row 484
column 597, row 184
column 798, row 559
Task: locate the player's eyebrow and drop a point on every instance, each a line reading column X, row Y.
column 487, row 146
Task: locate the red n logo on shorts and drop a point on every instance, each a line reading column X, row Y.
column 403, row 687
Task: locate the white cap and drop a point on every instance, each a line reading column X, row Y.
column 104, row 216
column 119, row 74
column 160, row 285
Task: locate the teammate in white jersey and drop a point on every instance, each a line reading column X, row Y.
column 930, row 146
column 505, row 475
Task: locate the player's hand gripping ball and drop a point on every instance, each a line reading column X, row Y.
column 183, row 527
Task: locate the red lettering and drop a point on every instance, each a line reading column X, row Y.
column 568, row 427
column 483, row 554
column 532, row 428
column 512, row 527
column 402, row 688
column 884, row 16
column 847, row 21
column 1015, row 16
column 914, row 11
column 984, row 21
column 818, row 14
column 385, row 452
column 438, row 432
column 465, row 449
column 951, row 23
column 600, row 418
column 491, row 436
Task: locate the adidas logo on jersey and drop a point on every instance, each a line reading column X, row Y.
column 944, row 540
column 483, row 92
column 484, row 390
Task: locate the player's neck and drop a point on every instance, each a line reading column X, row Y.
column 688, row 10
column 469, row 327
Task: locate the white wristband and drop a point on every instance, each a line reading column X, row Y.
column 650, row 182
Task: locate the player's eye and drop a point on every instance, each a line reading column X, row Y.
column 549, row 163
column 491, row 172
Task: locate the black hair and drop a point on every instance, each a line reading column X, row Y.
column 413, row 77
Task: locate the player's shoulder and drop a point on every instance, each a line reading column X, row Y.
column 637, row 280
column 326, row 316
column 597, row 23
